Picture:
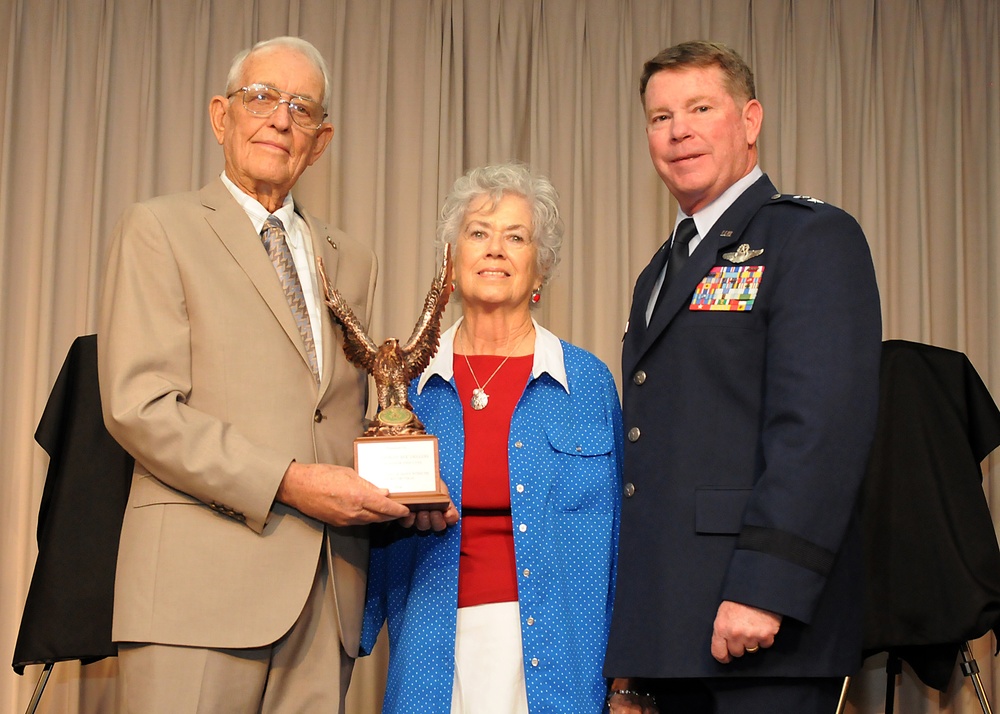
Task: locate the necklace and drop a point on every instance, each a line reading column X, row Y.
column 479, row 396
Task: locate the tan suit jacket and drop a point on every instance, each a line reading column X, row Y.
column 204, row 380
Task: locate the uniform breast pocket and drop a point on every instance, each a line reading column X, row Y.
column 739, row 322
column 583, row 466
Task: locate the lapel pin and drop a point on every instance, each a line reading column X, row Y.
column 726, row 234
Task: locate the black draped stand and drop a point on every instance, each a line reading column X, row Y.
column 932, row 560
column 67, row 613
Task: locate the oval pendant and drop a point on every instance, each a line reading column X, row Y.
column 479, row 399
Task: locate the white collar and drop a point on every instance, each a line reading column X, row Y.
column 548, row 357
column 706, row 217
column 258, row 214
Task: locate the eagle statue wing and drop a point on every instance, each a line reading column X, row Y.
column 358, row 346
column 423, row 342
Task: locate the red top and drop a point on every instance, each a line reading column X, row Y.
column 486, row 568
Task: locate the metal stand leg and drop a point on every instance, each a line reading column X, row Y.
column 970, row 668
column 843, row 696
column 893, row 667
column 43, row 678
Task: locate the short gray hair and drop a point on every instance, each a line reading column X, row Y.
column 235, row 79
column 495, row 182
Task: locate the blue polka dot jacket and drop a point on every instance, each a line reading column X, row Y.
column 565, row 461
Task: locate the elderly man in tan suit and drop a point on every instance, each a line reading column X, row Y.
column 241, row 570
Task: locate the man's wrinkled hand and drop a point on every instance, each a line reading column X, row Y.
column 336, row 495
column 741, row 629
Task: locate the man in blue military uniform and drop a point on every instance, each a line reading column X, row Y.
column 750, row 368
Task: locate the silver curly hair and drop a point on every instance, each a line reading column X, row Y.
column 495, row 182
column 235, row 79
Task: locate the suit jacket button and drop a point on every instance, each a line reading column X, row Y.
column 639, row 377
column 629, row 489
column 318, row 416
column 634, row 434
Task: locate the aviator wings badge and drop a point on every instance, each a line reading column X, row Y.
column 742, row 254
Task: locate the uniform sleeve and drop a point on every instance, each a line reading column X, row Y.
column 819, row 407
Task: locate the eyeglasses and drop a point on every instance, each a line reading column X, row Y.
column 262, row 100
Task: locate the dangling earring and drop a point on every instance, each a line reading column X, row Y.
column 453, row 286
column 536, row 295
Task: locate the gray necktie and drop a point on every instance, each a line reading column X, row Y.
column 273, row 236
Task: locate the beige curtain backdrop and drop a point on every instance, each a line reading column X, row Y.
column 889, row 108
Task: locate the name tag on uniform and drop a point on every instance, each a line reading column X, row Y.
column 730, row 288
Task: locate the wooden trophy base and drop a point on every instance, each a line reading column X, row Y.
column 407, row 465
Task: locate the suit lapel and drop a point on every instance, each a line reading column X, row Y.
column 326, row 248
column 726, row 231
column 644, row 290
column 230, row 223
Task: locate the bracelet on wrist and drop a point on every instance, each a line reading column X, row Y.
column 629, row 693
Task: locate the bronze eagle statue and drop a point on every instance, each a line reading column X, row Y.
column 393, row 366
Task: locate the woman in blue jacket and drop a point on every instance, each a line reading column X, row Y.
column 508, row 611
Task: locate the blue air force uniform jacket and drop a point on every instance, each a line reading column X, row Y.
column 749, row 409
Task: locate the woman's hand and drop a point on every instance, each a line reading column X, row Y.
column 431, row 520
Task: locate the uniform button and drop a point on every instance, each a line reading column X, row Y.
column 522, row 528
column 629, row 489
column 525, row 572
column 318, row 416
column 518, row 444
column 633, row 434
column 520, row 488
column 534, row 661
column 639, row 377
column 775, row 197
column 531, row 621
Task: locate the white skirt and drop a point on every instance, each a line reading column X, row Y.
column 489, row 661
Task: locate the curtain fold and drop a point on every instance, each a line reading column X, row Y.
column 889, row 109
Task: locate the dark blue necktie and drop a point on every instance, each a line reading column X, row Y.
column 686, row 230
